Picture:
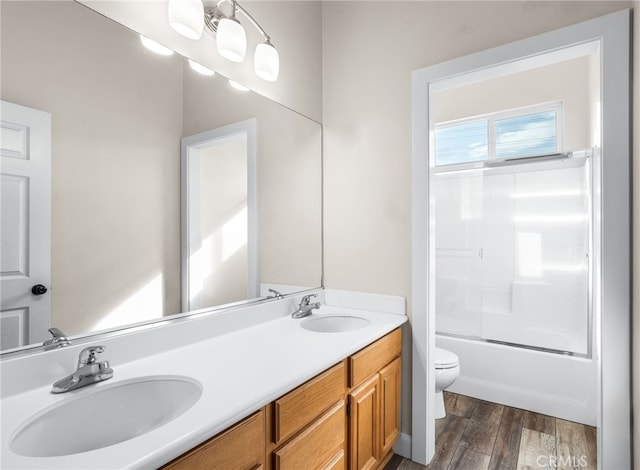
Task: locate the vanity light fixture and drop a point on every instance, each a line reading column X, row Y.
column 154, row 46
column 185, row 16
column 231, row 39
column 201, row 69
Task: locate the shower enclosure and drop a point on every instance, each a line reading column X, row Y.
column 512, row 248
column 522, row 268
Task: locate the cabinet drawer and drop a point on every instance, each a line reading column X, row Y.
column 374, row 357
column 317, row 446
column 298, row 408
column 238, row 448
column 336, row 462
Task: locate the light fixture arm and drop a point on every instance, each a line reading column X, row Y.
column 213, row 15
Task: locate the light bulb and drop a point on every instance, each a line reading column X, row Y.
column 266, row 62
column 231, row 39
column 201, row 69
column 154, row 46
column 187, row 17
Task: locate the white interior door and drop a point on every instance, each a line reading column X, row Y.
column 25, row 257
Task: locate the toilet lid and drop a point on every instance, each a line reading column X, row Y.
column 445, row 359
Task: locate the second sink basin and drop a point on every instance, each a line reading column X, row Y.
column 109, row 415
column 334, row 323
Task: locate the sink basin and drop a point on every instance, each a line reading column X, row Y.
column 334, row 323
column 109, row 415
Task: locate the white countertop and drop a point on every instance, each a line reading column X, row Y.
column 240, row 372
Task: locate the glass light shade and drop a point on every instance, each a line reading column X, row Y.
column 201, row 69
column 266, row 62
column 187, row 17
column 154, row 46
column 231, row 39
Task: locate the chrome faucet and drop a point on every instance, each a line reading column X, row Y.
column 59, row 340
column 88, row 371
column 306, row 307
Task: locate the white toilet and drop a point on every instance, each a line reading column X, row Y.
column 447, row 371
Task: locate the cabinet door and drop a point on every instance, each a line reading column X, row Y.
column 390, row 405
column 238, row 448
column 364, row 413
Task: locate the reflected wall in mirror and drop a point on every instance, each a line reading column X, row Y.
column 219, row 216
column 118, row 113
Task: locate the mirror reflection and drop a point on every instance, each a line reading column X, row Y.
column 106, row 117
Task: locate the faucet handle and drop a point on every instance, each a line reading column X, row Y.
column 89, row 355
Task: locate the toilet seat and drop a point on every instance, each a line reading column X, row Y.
column 445, row 359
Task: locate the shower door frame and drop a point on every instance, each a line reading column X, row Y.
column 614, row 273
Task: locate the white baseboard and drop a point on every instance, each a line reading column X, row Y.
column 402, row 446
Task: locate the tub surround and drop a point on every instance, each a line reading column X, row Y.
column 244, row 359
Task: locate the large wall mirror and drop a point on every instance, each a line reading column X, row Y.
column 114, row 118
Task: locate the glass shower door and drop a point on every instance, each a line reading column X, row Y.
column 459, row 214
column 543, row 240
column 512, row 254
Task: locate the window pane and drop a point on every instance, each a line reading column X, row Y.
column 462, row 143
column 534, row 134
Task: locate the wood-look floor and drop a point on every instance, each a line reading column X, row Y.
column 479, row 435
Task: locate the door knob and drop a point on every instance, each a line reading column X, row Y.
column 38, row 289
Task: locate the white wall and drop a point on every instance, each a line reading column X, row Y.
column 369, row 53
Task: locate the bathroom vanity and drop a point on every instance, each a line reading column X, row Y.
column 267, row 391
column 345, row 417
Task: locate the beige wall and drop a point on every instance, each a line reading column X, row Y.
column 369, row 53
column 294, row 26
column 288, row 169
column 223, row 199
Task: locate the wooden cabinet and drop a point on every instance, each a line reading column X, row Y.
column 364, row 424
column 309, row 424
column 299, row 407
column 390, row 405
column 346, row 417
column 374, row 402
column 240, row 447
column 320, row 445
column 374, row 357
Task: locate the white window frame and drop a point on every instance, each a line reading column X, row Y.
column 491, row 119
